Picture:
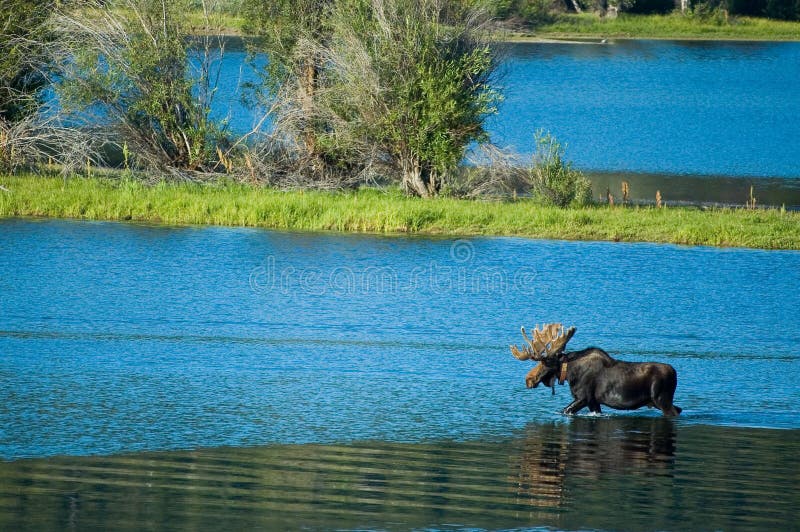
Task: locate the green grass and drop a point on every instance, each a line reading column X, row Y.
column 670, row 26
column 378, row 211
column 224, row 23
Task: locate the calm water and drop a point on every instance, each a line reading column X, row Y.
column 670, row 107
column 654, row 107
column 168, row 377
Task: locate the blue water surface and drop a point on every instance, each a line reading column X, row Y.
column 125, row 337
column 674, row 107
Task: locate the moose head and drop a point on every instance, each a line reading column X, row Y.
column 546, row 347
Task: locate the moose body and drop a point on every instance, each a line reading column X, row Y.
column 597, row 379
column 594, row 377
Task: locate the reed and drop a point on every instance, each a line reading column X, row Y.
column 388, row 211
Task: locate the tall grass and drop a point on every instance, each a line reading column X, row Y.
column 673, row 25
column 380, row 211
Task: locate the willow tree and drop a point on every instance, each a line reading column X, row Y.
column 23, row 57
column 137, row 64
column 291, row 33
column 23, row 65
column 411, row 81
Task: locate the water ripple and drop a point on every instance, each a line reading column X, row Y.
column 669, row 476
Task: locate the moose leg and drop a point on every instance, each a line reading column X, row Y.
column 574, row 406
column 662, row 397
column 671, row 410
column 664, row 403
column 594, row 407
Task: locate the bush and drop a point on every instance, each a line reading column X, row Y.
column 410, row 85
column 29, row 136
column 554, row 180
column 131, row 63
column 537, row 12
column 23, row 66
column 23, row 57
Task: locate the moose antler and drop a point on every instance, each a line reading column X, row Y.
column 547, row 342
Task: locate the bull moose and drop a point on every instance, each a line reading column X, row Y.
column 594, row 377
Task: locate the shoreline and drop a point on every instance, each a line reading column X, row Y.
column 590, row 27
column 389, row 211
column 584, row 38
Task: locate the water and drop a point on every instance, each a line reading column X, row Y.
column 632, row 474
column 671, row 108
column 174, row 377
column 668, row 107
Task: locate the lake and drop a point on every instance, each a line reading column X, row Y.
column 668, row 107
column 174, row 377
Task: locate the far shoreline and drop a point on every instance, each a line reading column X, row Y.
column 590, row 28
column 582, row 38
column 579, row 38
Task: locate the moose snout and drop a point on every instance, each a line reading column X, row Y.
column 534, row 376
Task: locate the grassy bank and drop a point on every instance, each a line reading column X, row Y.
column 673, row 26
column 371, row 210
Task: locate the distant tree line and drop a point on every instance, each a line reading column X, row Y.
column 537, row 11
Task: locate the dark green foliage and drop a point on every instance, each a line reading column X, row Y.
column 23, row 57
column 783, row 9
column 776, row 9
column 413, row 82
column 652, row 6
column 744, row 7
column 536, row 12
column 530, row 12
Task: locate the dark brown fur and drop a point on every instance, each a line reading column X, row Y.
column 595, row 378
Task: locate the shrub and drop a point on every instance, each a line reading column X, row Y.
column 411, row 84
column 132, row 63
column 537, row 12
column 28, row 135
column 23, row 57
column 23, row 65
column 553, row 179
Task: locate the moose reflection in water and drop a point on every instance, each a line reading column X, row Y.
column 589, row 448
column 594, row 377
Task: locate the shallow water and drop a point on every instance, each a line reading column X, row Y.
column 188, row 376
